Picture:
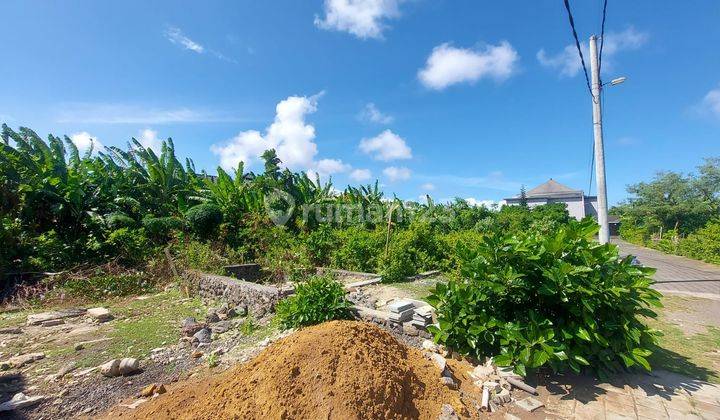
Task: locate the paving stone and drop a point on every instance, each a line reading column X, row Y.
column 593, row 410
column 100, row 314
column 656, row 412
column 529, row 404
column 611, row 415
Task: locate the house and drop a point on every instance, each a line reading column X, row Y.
column 578, row 204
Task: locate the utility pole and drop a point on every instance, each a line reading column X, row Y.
column 602, row 210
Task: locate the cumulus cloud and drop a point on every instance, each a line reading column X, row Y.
column 290, row 135
column 394, row 173
column 362, row 18
column 360, row 175
column 149, row 139
column 372, row 114
column 710, row 104
column 386, row 146
column 490, row 204
column 83, row 140
column 428, row 186
column 175, row 35
column 448, row 65
column 568, row 62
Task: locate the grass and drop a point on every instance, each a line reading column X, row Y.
column 695, row 355
column 419, row 289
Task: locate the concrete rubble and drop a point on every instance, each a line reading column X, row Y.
column 120, row 367
column 99, row 314
column 19, row 401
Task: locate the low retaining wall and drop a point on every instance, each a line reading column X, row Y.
column 258, row 298
column 345, row 276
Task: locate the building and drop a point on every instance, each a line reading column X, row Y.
column 578, row 204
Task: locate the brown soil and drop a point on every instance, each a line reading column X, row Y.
column 340, row 369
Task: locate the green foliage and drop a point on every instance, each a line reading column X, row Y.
column 131, row 246
column 204, row 219
column 319, row 299
column 160, row 229
column 286, row 259
column 119, row 220
column 358, row 249
column 559, row 299
column 320, row 244
column 104, row 286
column 52, row 252
column 201, row 256
column 411, row 251
column 704, row 244
column 249, row 326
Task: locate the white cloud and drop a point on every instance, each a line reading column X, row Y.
column 710, row 105
column 568, row 60
column 360, row 175
column 290, row 135
column 386, row 146
column 372, row 113
column 83, row 140
column 495, row 180
column 149, row 139
column 428, row 186
column 448, row 65
column 362, row 18
column 175, row 35
column 490, row 204
column 394, row 173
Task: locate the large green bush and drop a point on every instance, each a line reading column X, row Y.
column 319, row 299
column 358, row 249
column 411, row 251
column 130, row 245
column 558, row 299
column 703, row 244
column 204, row 219
column 160, row 229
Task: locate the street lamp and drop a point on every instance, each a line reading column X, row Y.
column 615, row 82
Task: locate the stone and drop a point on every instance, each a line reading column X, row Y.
column 37, row 319
column 203, row 335
column 502, row 397
column 149, row 390
column 197, row 354
column 482, row 372
column 11, row 330
column 117, row 367
column 79, row 346
column 401, row 316
column 5, row 366
column 400, row 306
column 19, row 401
column 190, row 327
column 25, row 359
column 212, row 317
column 111, row 368
column 439, row 361
column 447, row 412
column 221, row 327
column 52, row 322
column 100, row 314
column 129, row 365
column 448, row 382
column 136, row 404
column 492, row 386
column 160, row 389
column 241, row 310
column 429, row 345
column 410, row 330
column 529, row 404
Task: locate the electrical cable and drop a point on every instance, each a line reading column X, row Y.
column 602, row 39
column 577, row 44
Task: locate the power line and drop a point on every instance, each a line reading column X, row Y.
column 602, row 38
column 577, row 44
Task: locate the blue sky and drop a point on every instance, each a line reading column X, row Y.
column 453, row 98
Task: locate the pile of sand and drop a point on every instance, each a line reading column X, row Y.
column 340, row 369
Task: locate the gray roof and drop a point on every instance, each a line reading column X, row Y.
column 551, row 189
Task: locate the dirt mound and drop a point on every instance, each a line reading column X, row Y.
column 340, row 369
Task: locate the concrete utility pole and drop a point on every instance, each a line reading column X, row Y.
column 602, row 210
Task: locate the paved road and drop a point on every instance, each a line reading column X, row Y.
column 675, row 273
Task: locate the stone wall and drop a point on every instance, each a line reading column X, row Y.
column 258, row 298
column 345, row 276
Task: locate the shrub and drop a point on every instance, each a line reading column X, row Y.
column 106, row 286
column 411, row 251
column 204, row 219
column 286, row 260
column 559, row 299
column 131, row 246
column 320, row 244
column 160, row 229
column 358, row 249
column 119, row 220
column 51, row 252
column 317, row 300
column 704, row 244
column 201, row 256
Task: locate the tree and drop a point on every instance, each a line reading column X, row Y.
column 523, row 196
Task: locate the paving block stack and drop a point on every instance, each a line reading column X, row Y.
column 401, row 311
column 422, row 317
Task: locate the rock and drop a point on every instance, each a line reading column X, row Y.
column 79, row 346
column 160, row 389
column 203, row 335
column 429, row 345
column 111, row 369
column 197, row 354
column 482, row 372
column 529, row 404
column 212, row 317
column 100, row 314
column 410, row 329
column 492, row 386
column 439, row 361
column 190, row 327
column 136, row 404
column 448, row 382
column 502, row 397
column 447, row 412
column 149, row 390
column 5, row 366
column 221, row 327
column 52, row 322
column 37, row 319
column 128, row 366
column 19, row 401
column 25, row 359
column 11, row 330
column 241, row 310
column 117, row 367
